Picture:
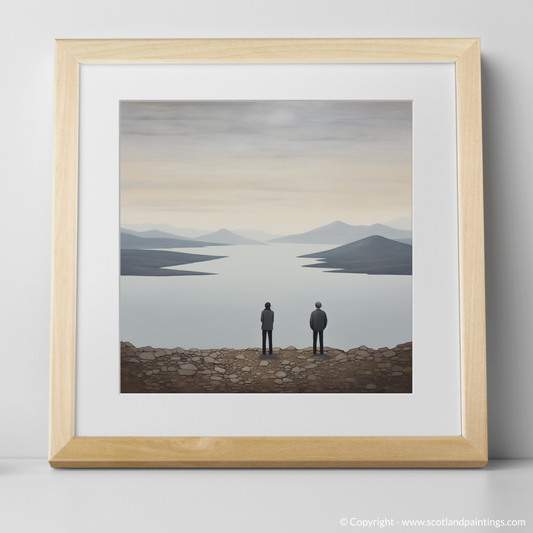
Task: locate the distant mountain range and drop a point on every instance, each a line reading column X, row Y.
column 371, row 255
column 225, row 236
column 341, row 233
column 134, row 242
column 334, row 233
column 256, row 235
column 165, row 230
column 189, row 233
column 400, row 223
column 153, row 234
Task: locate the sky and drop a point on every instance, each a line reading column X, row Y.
column 278, row 166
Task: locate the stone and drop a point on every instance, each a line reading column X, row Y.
column 397, row 374
column 285, row 362
column 182, row 372
column 301, row 357
column 397, row 368
column 278, row 381
column 295, row 370
column 179, row 350
column 350, row 380
column 219, row 369
column 246, row 369
column 188, row 366
column 281, row 374
column 388, row 353
column 147, row 356
column 311, row 366
column 172, row 369
column 133, row 360
column 341, row 357
column 195, row 359
column 263, row 363
column 239, row 356
column 287, row 380
column 156, row 371
column 235, row 380
column 147, row 349
column 209, row 360
column 231, row 376
column 371, row 386
column 160, row 353
column 277, row 349
column 216, row 378
column 383, row 349
column 290, row 348
column 167, row 351
column 312, row 377
column 149, row 373
column 408, row 369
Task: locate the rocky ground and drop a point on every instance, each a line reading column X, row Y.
column 361, row 370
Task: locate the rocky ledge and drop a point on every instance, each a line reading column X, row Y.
column 360, row 370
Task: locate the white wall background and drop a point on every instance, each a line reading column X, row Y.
column 27, row 31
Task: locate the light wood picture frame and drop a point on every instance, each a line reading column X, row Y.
column 66, row 450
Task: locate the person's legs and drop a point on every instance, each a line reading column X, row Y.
column 321, row 334
column 263, row 331
column 270, row 341
column 315, row 333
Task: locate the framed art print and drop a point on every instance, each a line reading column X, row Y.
column 268, row 229
column 306, row 188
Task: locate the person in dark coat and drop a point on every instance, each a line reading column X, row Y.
column 267, row 325
column 318, row 323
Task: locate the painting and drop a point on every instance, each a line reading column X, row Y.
column 266, row 247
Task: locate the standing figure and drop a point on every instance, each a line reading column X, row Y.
column 267, row 325
column 318, row 323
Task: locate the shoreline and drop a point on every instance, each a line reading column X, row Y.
column 224, row 370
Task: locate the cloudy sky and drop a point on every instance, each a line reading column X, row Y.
column 279, row 166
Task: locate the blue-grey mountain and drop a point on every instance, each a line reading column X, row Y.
column 133, row 242
column 225, row 236
column 372, row 255
column 153, row 234
column 189, row 233
column 256, row 235
column 400, row 223
column 341, row 233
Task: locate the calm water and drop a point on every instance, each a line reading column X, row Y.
column 223, row 310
